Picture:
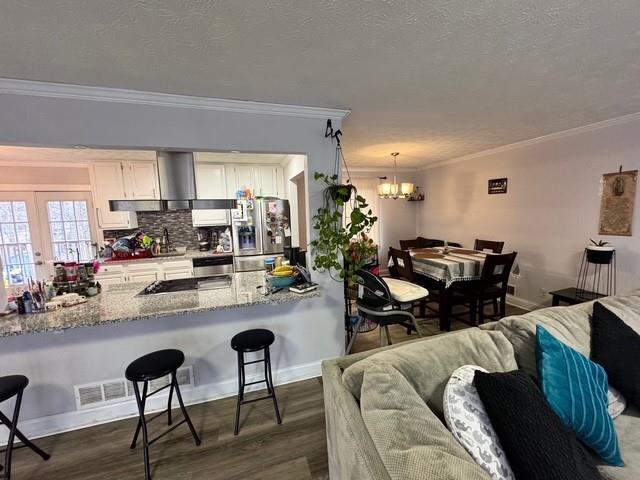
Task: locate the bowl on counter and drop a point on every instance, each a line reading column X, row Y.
column 280, row 282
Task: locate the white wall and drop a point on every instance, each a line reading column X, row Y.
column 551, row 208
column 397, row 219
column 57, row 361
column 295, row 165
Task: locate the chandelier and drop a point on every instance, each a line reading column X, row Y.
column 395, row 190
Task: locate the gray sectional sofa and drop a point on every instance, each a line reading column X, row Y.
column 384, row 407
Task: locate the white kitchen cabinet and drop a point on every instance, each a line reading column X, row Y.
column 264, row 180
column 141, row 180
column 108, row 184
column 143, row 277
column 177, row 269
column 110, row 279
column 176, row 274
column 210, row 184
column 143, row 272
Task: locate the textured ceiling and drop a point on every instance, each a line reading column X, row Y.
column 433, row 79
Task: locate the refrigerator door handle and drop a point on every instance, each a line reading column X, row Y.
column 257, row 218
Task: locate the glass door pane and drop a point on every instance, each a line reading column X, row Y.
column 16, row 248
column 65, row 216
column 70, row 230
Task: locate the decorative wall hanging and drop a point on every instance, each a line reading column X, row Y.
column 617, row 204
column 497, row 185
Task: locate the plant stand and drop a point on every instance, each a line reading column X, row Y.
column 351, row 315
column 592, row 281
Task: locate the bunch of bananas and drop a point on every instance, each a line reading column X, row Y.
column 283, row 271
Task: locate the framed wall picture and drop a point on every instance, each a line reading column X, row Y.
column 618, row 201
column 497, row 185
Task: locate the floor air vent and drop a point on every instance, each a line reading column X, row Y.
column 120, row 390
column 511, row 290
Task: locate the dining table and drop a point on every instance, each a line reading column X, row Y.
column 444, row 267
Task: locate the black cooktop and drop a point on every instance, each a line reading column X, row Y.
column 187, row 284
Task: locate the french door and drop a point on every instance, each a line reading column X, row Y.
column 38, row 228
column 66, row 225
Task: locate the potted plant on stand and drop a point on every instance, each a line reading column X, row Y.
column 599, row 252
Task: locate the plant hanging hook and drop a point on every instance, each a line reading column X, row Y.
column 330, row 133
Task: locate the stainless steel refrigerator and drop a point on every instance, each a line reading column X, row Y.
column 261, row 229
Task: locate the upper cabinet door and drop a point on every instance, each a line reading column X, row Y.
column 210, row 180
column 245, row 177
column 108, row 184
column 210, row 184
column 141, row 180
column 267, row 180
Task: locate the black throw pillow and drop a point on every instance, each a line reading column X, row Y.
column 537, row 443
column 615, row 346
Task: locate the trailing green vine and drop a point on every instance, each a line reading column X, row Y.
column 338, row 240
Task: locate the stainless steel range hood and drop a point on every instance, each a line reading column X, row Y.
column 176, row 175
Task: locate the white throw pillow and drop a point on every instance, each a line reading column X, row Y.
column 617, row 403
column 469, row 423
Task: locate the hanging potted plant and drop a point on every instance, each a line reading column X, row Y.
column 342, row 238
column 342, row 246
column 600, row 252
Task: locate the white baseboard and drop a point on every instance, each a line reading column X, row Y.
column 77, row 419
column 524, row 304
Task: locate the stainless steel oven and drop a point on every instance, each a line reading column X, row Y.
column 212, row 265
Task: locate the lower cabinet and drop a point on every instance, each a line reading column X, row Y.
column 144, row 272
column 176, row 274
column 110, row 279
column 143, row 277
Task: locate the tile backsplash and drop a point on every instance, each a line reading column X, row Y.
column 177, row 222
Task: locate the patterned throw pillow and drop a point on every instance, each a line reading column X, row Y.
column 576, row 388
column 466, row 418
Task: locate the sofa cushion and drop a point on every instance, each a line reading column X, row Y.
column 615, row 346
column 429, row 363
column 538, row 445
column 469, row 423
column 628, row 428
column 411, row 441
column 576, row 389
column 571, row 325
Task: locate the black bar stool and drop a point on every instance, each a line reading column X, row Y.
column 145, row 369
column 11, row 386
column 253, row 341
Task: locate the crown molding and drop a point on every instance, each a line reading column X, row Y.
column 385, row 170
column 99, row 94
column 537, row 140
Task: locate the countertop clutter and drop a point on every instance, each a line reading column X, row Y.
column 121, row 303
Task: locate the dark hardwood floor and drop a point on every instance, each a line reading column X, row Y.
column 428, row 327
column 295, row 450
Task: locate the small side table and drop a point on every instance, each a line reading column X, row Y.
column 571, row 296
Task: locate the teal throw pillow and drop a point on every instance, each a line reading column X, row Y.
column 576, row 389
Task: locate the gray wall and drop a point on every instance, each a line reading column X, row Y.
column 308, row 331
column 550, row 211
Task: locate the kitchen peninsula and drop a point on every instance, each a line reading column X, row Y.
column 123, row 303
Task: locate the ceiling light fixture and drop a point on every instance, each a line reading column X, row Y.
column 395, row 190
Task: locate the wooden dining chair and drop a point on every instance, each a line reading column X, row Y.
column 409, row 244
column 482, row 245
column 490, row 289
column 403, row 269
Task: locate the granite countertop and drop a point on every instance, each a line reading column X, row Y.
column 188, row 255
column 119, row 303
